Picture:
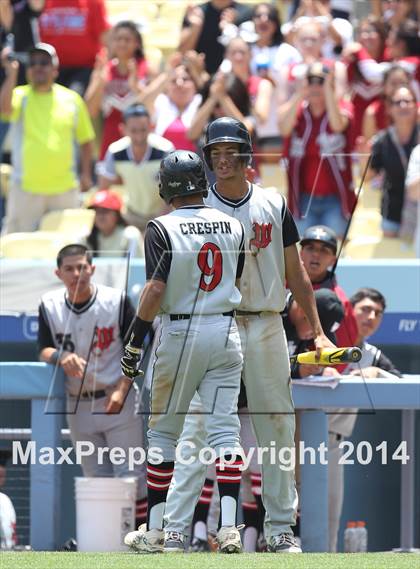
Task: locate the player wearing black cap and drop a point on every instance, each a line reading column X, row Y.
column 318, row 253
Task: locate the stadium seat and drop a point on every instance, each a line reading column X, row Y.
column 173, row 12
column 163, row 35
column 34, row 245
column 154, row 56
column 366, row 222
column 131, row 10
column 72, row 222
column 374, row 247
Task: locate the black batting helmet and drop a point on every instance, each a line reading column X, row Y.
column 181, row 174
column 226, row 129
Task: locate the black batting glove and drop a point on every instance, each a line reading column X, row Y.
column 131, row 360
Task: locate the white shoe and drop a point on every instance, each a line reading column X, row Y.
column 174, row 542
column 229, row 540
column 143, row 541
column 284, row 543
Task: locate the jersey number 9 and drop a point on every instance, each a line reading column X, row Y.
column 210, row 262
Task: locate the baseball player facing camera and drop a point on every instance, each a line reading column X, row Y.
column 82, row 330
column 194, row 256
column 271, row 258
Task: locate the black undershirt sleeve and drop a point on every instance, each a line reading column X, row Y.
column 290, row 232
column 45, row 339
column 384, row 363
column 241, row 258
column 127, row 318
column 158, row 252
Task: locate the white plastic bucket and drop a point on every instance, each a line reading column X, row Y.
column 105, row 509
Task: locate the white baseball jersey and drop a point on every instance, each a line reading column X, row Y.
column 196, row 251
column 7, row 523
column 92, row 332
column 269, row 228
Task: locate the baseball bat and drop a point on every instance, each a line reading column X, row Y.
column 329, row 356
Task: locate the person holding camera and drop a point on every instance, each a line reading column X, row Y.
column 317, row 127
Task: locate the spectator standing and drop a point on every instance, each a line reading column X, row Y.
column 20, row 30
column 77, row 30
column 49, row 120
column 270, row 46
column 203, row 25
column 260, row 89
column 111, row 236
column 376, row 116
column 116, row 84
column 82, row 329
column 391, row 151
column 134, row 161
column 403, row 45
column 18, row 34
column 337, row 31
column 394, row 12
column 412, row 185
column 224, row 95
column 269, row 54
column 172, row 100
column 308, row 40
column 357, row 56
column 318, row 129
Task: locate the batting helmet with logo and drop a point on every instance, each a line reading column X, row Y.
column 181, row 174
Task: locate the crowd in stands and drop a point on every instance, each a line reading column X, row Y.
column 322, row 90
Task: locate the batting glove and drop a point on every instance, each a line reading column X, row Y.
column 131, row 360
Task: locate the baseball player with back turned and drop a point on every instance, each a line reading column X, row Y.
column 194, row 255
column 271, row 258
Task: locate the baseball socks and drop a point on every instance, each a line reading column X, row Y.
column 201, row 512
column 256, row 491
column 228, row 475
column 158, row 480
column 141, row 512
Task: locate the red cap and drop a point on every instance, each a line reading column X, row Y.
column 107, row 199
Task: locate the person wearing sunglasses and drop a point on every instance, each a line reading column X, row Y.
column 316, row 124
column 391, row 151
column 49, row 121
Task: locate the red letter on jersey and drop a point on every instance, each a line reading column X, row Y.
column 262, row 235
column 104, row 338
column 213, row 270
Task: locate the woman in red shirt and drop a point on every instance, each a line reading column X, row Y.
column 117, row 83
column 172, row 100
column 371, row 35
column 376, row 116
column 317, row 127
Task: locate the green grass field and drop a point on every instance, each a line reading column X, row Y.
column 32, row 560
